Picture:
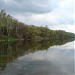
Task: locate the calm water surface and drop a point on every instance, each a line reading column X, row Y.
column 43, row 58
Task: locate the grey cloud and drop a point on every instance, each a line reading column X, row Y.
column 1, row 4
column 32, row 6
column 27, row 8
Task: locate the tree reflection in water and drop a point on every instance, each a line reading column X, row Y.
column 9, row 51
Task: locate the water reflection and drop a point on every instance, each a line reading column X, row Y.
column 36, row 58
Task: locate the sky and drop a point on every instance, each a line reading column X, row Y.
column 56, row 14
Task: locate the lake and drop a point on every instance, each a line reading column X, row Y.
column 37, row 58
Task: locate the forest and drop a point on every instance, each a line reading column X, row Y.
column 10, row 29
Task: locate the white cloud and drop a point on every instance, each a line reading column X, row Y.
column 62, row 14
column 68, row 28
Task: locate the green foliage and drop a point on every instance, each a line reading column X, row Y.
column 10, row 27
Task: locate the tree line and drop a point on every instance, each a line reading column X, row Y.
column 10, row 28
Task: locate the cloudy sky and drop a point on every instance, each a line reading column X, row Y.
column 56, row 14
